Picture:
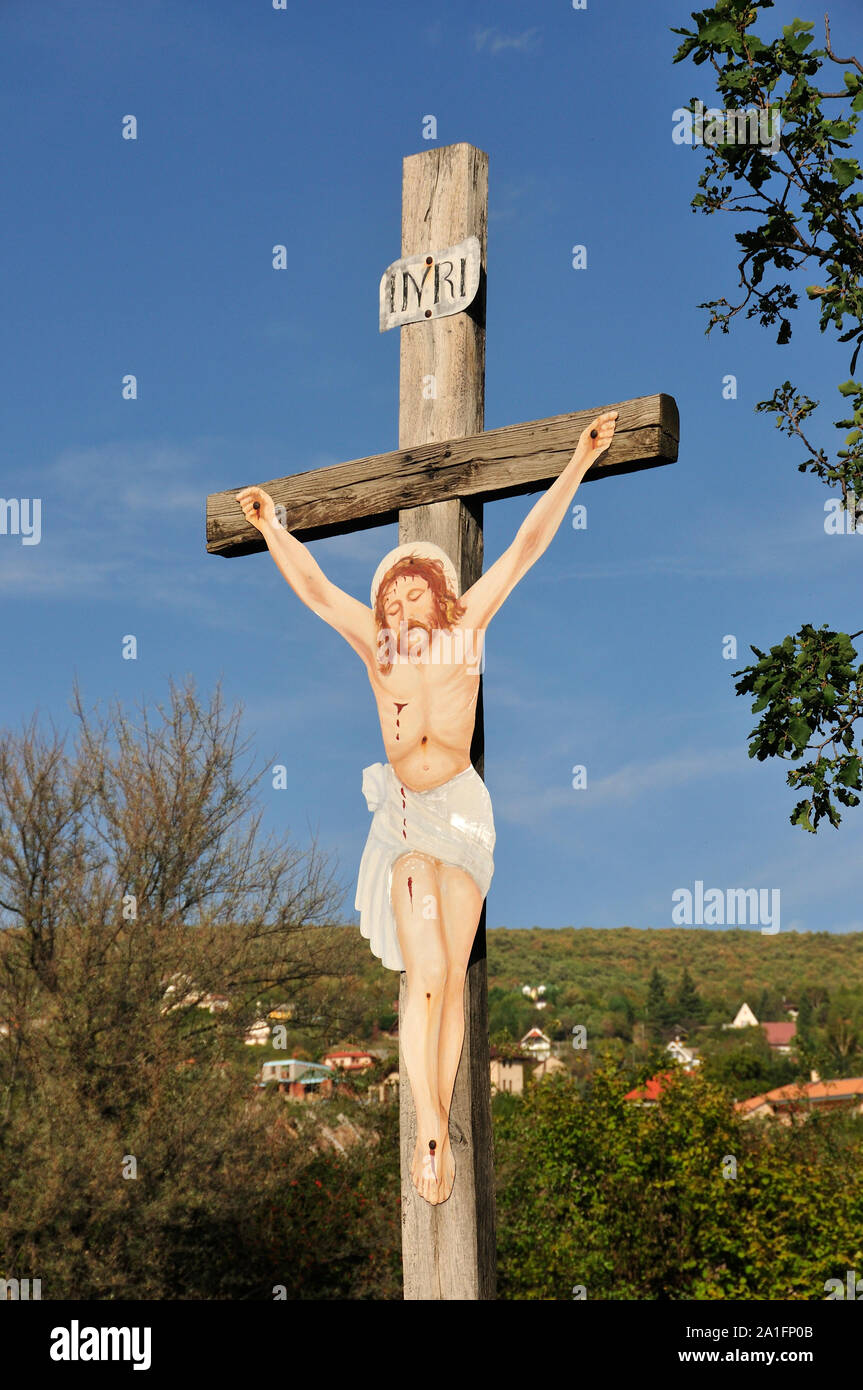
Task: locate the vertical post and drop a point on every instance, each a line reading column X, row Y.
column 448, row 1251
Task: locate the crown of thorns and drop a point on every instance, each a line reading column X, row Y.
column 419, row 550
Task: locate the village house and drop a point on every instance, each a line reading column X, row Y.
column 686, row 1056
column 507, row 1073
column 258, row 1035
column 744, row 1018
column 779, row 1035
column 649, row 1093
column 297, row 1079
column 536, row 1045
column 510, row 1074
column 548, row 1068
column 386, row 1092
column 181, row 992
column 349, row 1059
column 787, row 1103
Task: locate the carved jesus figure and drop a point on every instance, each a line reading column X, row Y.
column 428, row 863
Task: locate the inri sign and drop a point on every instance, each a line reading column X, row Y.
column 430, row 285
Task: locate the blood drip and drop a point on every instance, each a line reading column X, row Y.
column 399, row 709
column 411, row 889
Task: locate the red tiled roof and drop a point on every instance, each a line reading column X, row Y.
column 846, row 1088
column 652, row 1088
column 655, row 1085
column 779, row 1034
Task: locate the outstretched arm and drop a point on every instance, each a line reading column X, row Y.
column 534, row 535
column 352, row 619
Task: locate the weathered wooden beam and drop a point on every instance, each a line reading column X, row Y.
column 448, row 1250
column 495, row 463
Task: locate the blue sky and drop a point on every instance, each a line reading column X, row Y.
column 154, row 257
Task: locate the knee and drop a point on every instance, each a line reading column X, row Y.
column 430, row 975
column 455, row 978
column 415, row 865
column 415, row 880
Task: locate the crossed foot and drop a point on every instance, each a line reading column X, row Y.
column 433, row 1167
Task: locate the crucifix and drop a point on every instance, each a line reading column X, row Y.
column 430, row 885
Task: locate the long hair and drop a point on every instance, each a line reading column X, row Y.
column 447, row 608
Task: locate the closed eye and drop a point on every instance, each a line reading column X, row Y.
column 415, row 593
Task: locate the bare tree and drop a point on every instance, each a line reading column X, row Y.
column 135, row 886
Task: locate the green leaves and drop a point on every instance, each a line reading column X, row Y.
column 796, row 36
column 801, row 816
column 638, row 1201
column 808, row 186
column 720, row 33
column 849, row 773
column 845, row 171
column 809, row 694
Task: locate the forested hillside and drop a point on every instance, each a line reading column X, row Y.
column 594, row 964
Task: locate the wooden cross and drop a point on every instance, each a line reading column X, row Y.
column 435, row 484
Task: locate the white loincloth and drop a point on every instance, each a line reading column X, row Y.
column 452, row 823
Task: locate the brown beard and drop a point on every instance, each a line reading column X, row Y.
column 411, row 625
column 447, row 608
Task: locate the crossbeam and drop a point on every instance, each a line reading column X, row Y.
column 505, row 462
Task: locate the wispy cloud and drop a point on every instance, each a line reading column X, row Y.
column 110, row 514
column 521, row 801
column 112, row 482
column 632, row 781
column 125, row 521
column 494, row 42
column 24, row 572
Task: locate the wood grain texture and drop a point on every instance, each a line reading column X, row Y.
column 435, row 484
column 444, row 200
column 505, row 462
column 448, row 1251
